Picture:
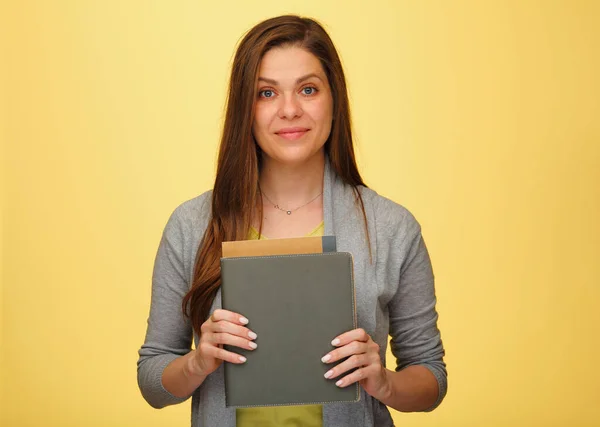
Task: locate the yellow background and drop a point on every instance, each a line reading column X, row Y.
column 481, row 117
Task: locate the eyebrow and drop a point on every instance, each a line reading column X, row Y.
column 299, row 80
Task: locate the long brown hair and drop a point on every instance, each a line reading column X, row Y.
column 235, row 194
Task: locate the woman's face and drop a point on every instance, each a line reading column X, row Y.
column 294, row 106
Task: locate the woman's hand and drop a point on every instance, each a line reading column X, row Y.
column 223, row 327
column 362, row 353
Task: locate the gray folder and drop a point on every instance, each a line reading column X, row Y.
column 296, row 304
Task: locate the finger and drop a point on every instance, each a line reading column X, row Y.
column 233, row 340
column 355, row 361
column 222, row 354
column 355, row 347
column 353, row 335
column 356, row 376
column 220, row 314
column 225, row 326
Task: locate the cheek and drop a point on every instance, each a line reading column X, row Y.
column 262, row 119
column 261, row 127
column 322, row 112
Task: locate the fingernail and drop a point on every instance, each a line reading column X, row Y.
column 339, row 383
column 325, row 358
column 244, row 320
column 328, row 374
column 242, row 359
column 335, row 341
column 252, row 335
column 252, row 345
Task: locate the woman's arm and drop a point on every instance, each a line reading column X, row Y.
column 412, row 389
column 168, row 372
column 181, row 376
column 169, row 333
column 420, row 380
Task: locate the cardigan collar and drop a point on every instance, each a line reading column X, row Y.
column 344, row 219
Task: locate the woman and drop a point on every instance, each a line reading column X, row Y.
column 286, row 168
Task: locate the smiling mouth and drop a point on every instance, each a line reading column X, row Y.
column 292, row 134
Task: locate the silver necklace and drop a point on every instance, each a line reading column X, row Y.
column 289, row 211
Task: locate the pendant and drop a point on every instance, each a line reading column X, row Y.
column 289, row 212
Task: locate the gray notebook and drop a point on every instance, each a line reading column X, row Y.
column 296, row 304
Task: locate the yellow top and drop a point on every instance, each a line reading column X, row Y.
column 253, row 234
column 281, row 416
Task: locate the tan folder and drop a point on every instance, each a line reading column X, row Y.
column 298, row 294
column 290, row 246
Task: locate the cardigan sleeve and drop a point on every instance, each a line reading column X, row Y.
column 415, row 337
column 169, row 333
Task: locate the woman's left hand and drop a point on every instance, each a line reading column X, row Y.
column 362, row 353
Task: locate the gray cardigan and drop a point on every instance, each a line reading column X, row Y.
column 394, row 292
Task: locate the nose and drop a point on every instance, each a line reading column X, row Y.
column 290, row 107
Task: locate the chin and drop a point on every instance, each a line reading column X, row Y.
column 295, row 155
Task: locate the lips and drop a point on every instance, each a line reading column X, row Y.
column 292, row 133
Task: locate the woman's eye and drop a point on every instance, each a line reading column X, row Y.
column 309, row 90
column 266, row 93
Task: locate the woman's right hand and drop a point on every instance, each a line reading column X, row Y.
column 222, row 327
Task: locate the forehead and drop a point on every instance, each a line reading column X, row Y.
column 290, row 62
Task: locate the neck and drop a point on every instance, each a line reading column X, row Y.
column 292, row 185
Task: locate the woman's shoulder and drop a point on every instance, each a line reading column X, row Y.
column 387, row 213
column 192, row 214
column 196, row 208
